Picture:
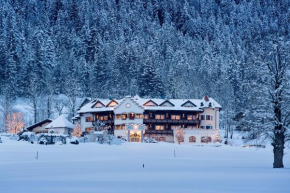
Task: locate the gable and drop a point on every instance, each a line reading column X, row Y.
column 150, row 103
column 98, row 104
column 188, row 104
column 166, row 104
column 113, row 103
column 128, row 105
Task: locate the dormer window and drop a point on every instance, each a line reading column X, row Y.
column 166, row 104
column 209, row 105
column 113, row 103
column 201, row 104
column 98, row 105
column 188, row 104
column 150, row 103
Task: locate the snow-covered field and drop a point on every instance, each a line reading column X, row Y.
column 91, row 168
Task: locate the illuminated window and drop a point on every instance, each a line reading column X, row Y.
column 139, row 116
column 112, row 104
column 175, row 117
column 150, row 104
column 159, row 116
column 159, row 127
column 192, row 139
column 161, row 138
column 88, row 129
column 103, row 118
column 191, row 117
column 124, row 116
column 89, row 119
column 118, row 116
column 118, row 127
column 123, row 127
column 146, row 116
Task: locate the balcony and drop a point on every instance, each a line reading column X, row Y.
column 106, row 121
column 181, row 121
column 168, row 132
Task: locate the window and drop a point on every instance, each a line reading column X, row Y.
column 161, row 138
column 118, row 127
column 146, row 127
column 175, row 117
column 88, row 129
column 167, row 104
column 202, row 117
column 139, row 116
column 146, row 116
column 205, row 139
column 208, row 117
column 132, row 116
column 103, row 118
column 123, row 127
column 174, row 127
column 118, row 116
column 159, row 116
column 124, row 116
column 190, row 127
column 89, row 119
column 192, row 139
column 159, row 127
column 112, row 104
column 98, row 105
column 191, row 117
column 150, row 104
column 208, row 127
column 202, row 127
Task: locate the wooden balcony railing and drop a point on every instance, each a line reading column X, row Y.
column 168, row 132
column 181, row 121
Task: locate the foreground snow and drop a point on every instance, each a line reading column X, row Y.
column 101, row 168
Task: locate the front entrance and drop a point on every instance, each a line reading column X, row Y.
column 135, row 137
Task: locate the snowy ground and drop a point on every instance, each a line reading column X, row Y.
column 91, row 168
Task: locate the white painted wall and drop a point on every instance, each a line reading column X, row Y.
column 134, row 108
column 215, row 120
column 40, row 129
column 120, row 133
column 85, row 124
column 64, row 131
column 198, row 133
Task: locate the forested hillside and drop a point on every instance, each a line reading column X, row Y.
column 154, row 48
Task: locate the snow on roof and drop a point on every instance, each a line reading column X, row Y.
column 60, row 122
column 31, row 127
column 205, row 102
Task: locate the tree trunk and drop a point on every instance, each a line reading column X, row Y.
column 278, row 151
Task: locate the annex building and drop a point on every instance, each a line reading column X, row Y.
column 169, row 120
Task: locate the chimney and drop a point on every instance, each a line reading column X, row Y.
column 206, row 98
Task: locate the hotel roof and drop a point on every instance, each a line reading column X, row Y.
column 99, row 105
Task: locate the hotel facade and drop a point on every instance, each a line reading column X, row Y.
column 171, row 120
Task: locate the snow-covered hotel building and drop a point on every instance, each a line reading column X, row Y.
column 136, row 118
